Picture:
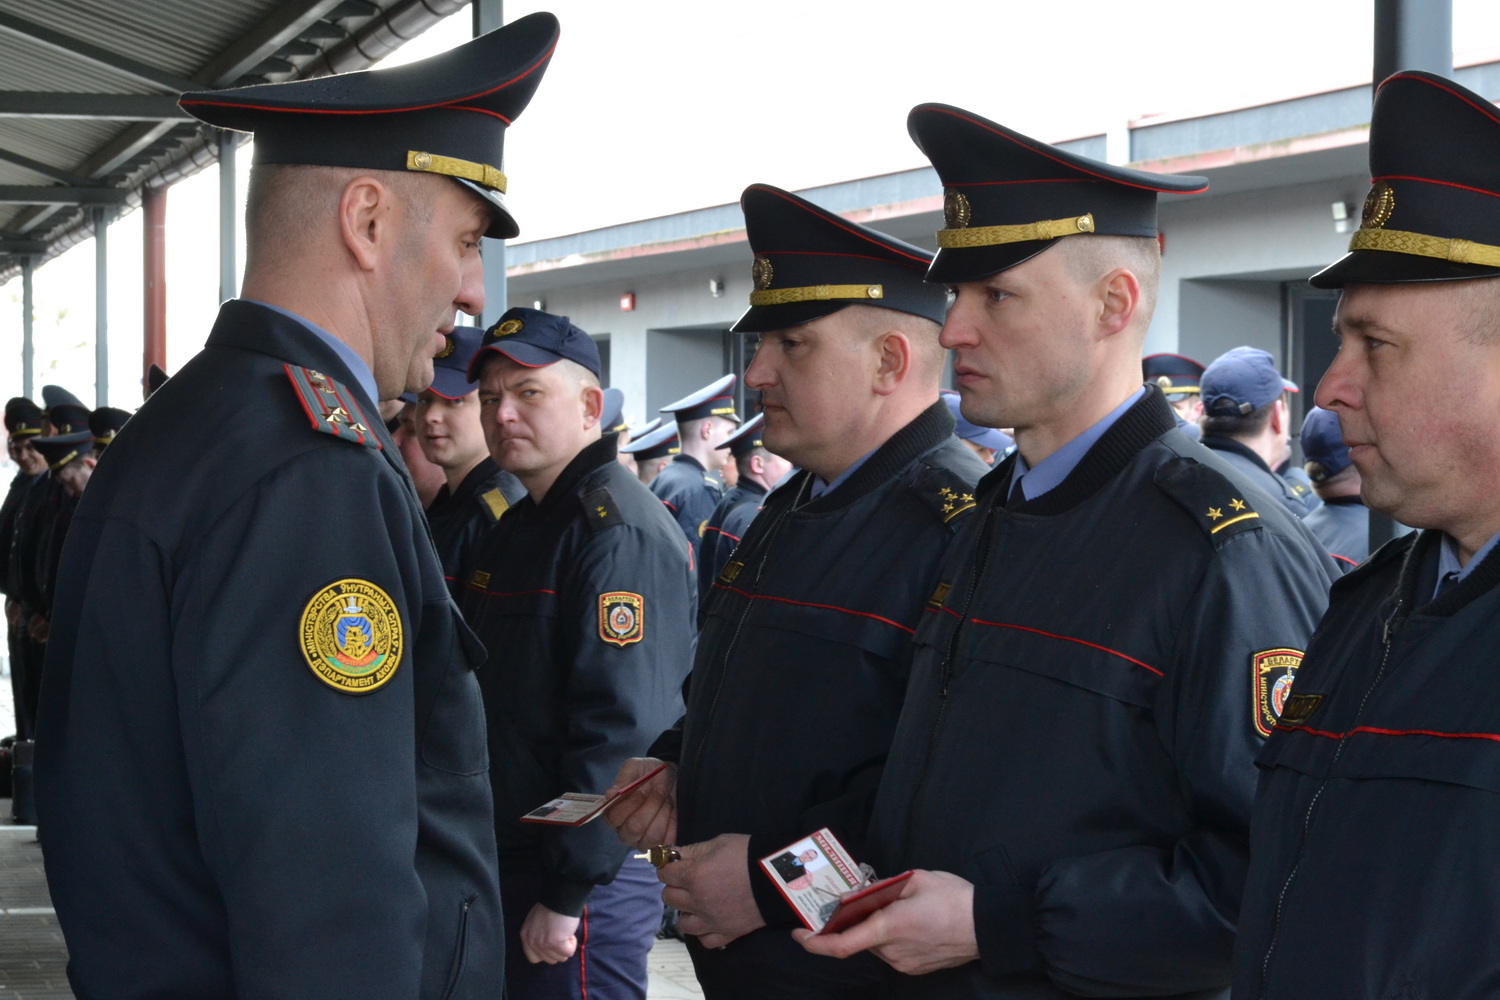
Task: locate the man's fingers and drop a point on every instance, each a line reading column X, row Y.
column 866, row 934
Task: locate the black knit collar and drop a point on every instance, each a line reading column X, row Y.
column 1419, row 569
column 1219, row 442
column 931, row 428
column 1147, row 420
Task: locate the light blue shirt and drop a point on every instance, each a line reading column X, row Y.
column 1448, row 559
column 1052, row 470
column 357, row 366
column 819, row 487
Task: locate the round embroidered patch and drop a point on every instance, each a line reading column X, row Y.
column 351, row 636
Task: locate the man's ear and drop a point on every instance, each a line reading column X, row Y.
column 593, row 405
column 365, row 213
column 1119, row 298
column 894, row 363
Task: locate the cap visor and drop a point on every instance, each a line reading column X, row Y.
column 502, row 224
column 1385, row 267
column 451, row 384
column 952, row 267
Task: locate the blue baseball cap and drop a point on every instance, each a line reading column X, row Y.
column 536, row 339
column 1241, row 381
column 985, row 437
column 1323, row 445
column 450, row 366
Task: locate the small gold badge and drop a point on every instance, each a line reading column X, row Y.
column 480, row 579
column 351, row 636
column 1379, row 204
column 447, row 347
column 1273, row 672
column 731, row 572
column 939, row 595
column 622, row 618
column 761, row 273
column 956, row 210
column 509, row 327
column 1299, row 708
column 422, row 161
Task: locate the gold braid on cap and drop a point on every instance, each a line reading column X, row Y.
column 1396, row 241
column 815, row 293
column 988, row 236
column 479, row 173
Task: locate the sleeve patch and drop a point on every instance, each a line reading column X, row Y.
column 1217, row 505
column 330, row 407
column 1272, row 672
column 622, row 618
column 350, row 635
column 601, row 510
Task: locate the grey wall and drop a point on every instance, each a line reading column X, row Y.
column 680, row 361
column 1217, row 315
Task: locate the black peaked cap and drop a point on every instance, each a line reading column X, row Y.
column 993, row 176
column 810, row 262
column 445, row 114
column 1435, row 182
column 60, row 449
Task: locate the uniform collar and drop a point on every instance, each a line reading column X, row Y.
column 353, row 361
column 594, row 454
column 1052, row 470
column 278, row 334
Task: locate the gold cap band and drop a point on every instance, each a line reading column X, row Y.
column 55, row 466
column 479, row 173
column 26, row 432
column 1394, row 240
column 988, row 236
column 815, row 293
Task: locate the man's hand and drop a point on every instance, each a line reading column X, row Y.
column 710, row 887
column 648, row 815
column 12, row 612
column 40, row 628
column 930, row 927
column 548, row 937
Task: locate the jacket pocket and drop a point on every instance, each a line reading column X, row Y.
column 460, row 949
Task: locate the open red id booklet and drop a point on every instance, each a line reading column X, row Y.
column 578, row 808
column 827, row 887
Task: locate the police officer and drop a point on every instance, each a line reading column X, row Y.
column 23, row 421
column 1246, row 420
column 583, row 593
column 1178, row 378
column 704, row 420
column 1342, row 522
column 653, row 451
column 104, row 424
column 986, row 442
column 614, row 422
column 806, row 631
column 759, row 470
column 476, row 491
column 261, row 766
column 1372, row 870
column 1071, row 776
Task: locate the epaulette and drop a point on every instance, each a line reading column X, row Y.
column 330, row 406
column 945, row 492
column 494, row 502
column 600, row 508
column 1219, row 507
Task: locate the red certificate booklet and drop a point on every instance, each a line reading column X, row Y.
column 828, row 888
column 578, row 808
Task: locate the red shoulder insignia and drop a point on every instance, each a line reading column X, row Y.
column 331, row 407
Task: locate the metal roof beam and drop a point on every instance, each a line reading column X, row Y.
column 23, row 248
column 124, row 148
column 284, row 25
column 84, row 50
column 37, row 167
column 100, row 107
column 20, row 194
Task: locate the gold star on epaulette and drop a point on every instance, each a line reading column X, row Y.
column 361, row 428
column 946, row 493
column 1214, row 513
column 967, row 498
column 947, row 508
column 602, row 512
column 337, row 414
column 1237, row 504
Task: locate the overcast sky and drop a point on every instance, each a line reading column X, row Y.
column 661, row 106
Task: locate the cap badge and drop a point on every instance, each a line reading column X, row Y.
column 1379, row 205
column 956, row 210
column 761, row 272
column 447, row 347
column 509, row 327
column 1164, row 382
column 351, row 636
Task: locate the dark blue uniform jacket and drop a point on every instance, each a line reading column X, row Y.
column 725, row 528
column 586, row 601
column 1079, row 734
column 460, row 518
column 1373, row 853
column 690, row 495
column 221, row 821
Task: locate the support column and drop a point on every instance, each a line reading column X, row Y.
column 101, row 307
column 228, row 210
column 489, row 15
column 1409, row 34
column 154, row 258
column 28, row 319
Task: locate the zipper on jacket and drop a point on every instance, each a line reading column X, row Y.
column 1388, row 630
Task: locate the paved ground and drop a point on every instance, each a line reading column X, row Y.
column 33, row 958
